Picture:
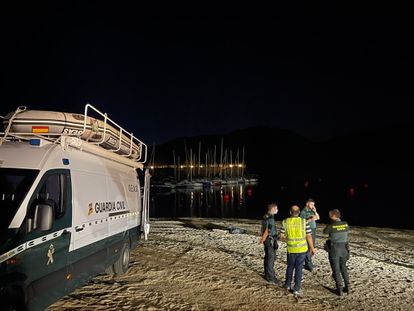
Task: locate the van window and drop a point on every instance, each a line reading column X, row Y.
column 14, row 185
column 54, row 190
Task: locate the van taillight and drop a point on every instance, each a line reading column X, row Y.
column 11, row 261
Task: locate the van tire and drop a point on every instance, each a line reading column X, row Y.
column 11, row 299
column 121, row 265
column 110, row 270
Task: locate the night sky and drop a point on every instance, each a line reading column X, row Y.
column 319, row 71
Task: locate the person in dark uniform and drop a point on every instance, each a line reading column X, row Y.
column 338, row 249
column 311, row 215
column 269, row 239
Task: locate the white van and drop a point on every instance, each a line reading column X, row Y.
column 71, row 209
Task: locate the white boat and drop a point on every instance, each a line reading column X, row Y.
column 231, row 181
column 161, row 184
column 189, row 184
column 205, row 182
column 104, row 133
column 217, row 182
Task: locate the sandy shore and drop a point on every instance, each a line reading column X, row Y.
column 195, row 265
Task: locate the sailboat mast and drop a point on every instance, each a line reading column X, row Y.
column 191, row 164
column 186, row 159
column 199, row 157
column 152, row 159
column 225, row 163
column 206, row 170
column 214, row 161
column 175, row 166
column 221, row 159
column 237, row 162
column 231, row 163
column 179, row 169
column 243, row 164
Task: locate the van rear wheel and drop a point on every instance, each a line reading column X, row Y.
column 110, row 270
column 12, row 299
column 121, row 265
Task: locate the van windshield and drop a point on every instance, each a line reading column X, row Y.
column 14, row 185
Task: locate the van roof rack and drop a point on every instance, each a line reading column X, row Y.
column 124, row 147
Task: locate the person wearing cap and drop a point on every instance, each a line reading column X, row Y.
column 269, row 240
column 338, row 249
column 311, row 215
column 298, row 236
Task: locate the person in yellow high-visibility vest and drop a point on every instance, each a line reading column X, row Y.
column 298, row 236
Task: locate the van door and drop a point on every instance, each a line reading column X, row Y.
column 47, row 251
column 145, row 223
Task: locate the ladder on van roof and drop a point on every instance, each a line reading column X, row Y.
column 125, row 137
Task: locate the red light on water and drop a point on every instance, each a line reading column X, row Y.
column 306, row 184
column 249, row 192
column 226, row 198
column 352, row 192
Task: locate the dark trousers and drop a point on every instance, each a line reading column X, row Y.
column 308, row 259
column 338, row 256
column 269, row 261
column 295, row 262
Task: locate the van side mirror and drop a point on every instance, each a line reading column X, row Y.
column 44, row 217
column 29, row 224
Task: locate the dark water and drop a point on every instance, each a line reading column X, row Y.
column 375, row 205
column 236, row 201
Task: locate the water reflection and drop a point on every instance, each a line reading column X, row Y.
column 232, row 201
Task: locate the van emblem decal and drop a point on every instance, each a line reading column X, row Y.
column 90, row 209
column 50, row 253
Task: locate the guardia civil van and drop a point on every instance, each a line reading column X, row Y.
column 70, row 203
